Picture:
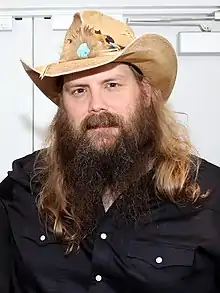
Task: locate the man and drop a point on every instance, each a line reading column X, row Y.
column 118, row 200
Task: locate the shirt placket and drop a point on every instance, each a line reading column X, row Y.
column 101, row 259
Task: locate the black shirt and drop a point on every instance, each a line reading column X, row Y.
column 177, row 252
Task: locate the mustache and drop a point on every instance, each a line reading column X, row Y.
column 104, row 119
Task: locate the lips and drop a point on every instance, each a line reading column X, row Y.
column 97, row 126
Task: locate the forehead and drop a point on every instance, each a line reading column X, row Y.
column 101, row 73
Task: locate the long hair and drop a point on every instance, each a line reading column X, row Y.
column 174, row 160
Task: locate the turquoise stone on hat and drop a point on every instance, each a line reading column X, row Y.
column 83, row 51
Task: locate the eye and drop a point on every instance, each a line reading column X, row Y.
column 78, row 92
column 112, row 85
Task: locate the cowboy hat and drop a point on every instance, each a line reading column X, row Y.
column 95, row 39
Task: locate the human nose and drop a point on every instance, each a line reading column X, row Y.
column 97, row 102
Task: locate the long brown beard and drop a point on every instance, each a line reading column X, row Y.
column 86, row 167
column 88, row 172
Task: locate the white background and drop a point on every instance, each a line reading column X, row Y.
column 99, row 3
column 25, row 113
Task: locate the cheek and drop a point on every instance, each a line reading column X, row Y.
column 124, row 107
column 127, row 111
column 76, row 118
column 128, row 101
column 74, row 113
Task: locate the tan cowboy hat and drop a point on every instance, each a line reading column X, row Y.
column 95, row 39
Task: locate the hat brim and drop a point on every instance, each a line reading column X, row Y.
column 151, row 53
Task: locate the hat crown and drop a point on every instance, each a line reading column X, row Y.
column 93, row 34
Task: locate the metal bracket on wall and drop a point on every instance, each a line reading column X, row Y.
column 6, row 23
column 177, row 21
column 182, row 117
column 202, row 27
column 198, row 43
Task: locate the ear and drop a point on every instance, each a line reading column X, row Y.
column 148, row 92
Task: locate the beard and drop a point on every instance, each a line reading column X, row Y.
column 92, row 161
column 104, row 152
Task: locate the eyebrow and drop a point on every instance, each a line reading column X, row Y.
column 68, row 87
column 115, row 77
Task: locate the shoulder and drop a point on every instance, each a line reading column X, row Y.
column 16, row 211
column 208, row 174
column 15, row 191
column 22, row 169
column 209, row 180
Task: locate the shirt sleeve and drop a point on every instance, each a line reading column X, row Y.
column 5, row 255
column 217, row 249
column 212, row 239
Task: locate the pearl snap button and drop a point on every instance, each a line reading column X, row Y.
column 42, row 238
column 98, row 278
column 103, row 236
column 159, row 260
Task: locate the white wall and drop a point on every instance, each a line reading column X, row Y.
column 16, row 95
column 99, row 3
